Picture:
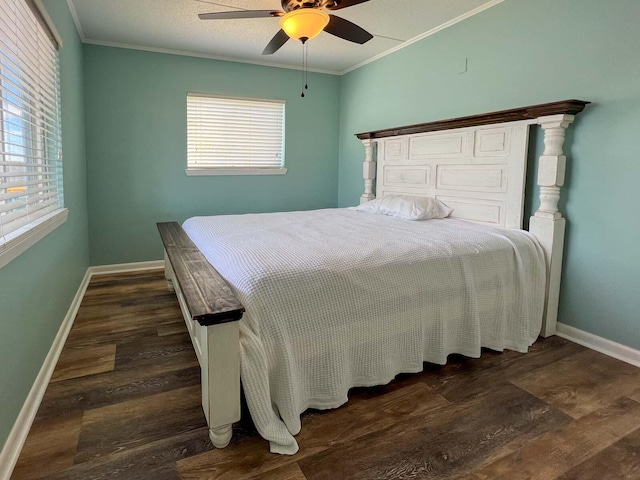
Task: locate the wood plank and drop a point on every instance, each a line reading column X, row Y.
column 152, row 461
column 567, row 107
column 113, row 313
column 50, row 447
column 133, row 302
column 555, row 453
column 106, row 289
column 464, row 377
column 110, row 388
column 635, row 395
column 109, row 429
column 164, row 309
column 156, row 307
column 619, row 461
column 171, row 329
column 581, row 383
column 118, row 325
column 443, row 446
column 209, row 299
column 145, row 352
column 288, row 472
column 80, row 362
column 369, row 414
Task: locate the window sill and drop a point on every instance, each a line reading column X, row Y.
column 20, row 242
column 194, row 172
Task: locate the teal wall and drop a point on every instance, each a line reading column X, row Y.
column 523, row 52
column 37, row 288
column 136, row 146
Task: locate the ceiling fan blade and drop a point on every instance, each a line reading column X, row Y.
column 347, row 30
column 240, row 14
column 338, row 4
column 276, row 42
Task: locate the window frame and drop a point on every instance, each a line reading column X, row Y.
column 237, row 170
column 16, row 242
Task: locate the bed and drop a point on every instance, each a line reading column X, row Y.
column 305, row 305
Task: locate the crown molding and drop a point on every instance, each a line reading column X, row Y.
column 184, row 53
column 76, row 20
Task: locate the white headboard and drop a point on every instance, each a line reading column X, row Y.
column 477, row 171
column 477, row 165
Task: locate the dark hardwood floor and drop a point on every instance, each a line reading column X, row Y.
column 124, row 403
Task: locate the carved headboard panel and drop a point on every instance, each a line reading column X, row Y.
column 477, row 171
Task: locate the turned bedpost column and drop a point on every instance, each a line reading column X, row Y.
column 547, row 223
column 368, row 172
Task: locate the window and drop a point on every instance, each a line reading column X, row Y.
column 234, row 136
column 31, row 199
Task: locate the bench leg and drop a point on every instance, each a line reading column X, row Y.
column 221, row 436
column 221, row 380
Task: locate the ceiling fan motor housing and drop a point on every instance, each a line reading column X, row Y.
column 302, row 20
column 290, row 5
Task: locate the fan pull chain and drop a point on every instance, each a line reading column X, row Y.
column 306, row 66
column 305, row 86
column 303, row 68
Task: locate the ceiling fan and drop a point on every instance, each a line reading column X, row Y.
column 302, row 20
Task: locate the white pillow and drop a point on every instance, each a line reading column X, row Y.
column 409, row 207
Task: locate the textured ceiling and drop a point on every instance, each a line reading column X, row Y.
column 173, row 25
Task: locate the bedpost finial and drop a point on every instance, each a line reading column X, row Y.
column 552, row 164
column 368, row 171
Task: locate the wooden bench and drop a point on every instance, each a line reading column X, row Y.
column 211, row 312
column 208, row 297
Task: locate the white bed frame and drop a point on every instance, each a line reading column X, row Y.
column 476, row 165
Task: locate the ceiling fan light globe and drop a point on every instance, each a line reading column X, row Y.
column 304, row 23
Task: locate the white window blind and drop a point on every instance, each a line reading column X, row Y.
column 234, row 133
column 30, row 136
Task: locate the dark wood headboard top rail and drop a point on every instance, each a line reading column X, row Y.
column 566, row 107
column 208, row 297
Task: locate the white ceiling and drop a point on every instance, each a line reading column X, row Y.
column 174, row 26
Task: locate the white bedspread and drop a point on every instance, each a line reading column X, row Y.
column 337, row 298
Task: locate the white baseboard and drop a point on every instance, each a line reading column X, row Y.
column 126, row 267
column 18, row 435
column 15, row 441
column 599, row 344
